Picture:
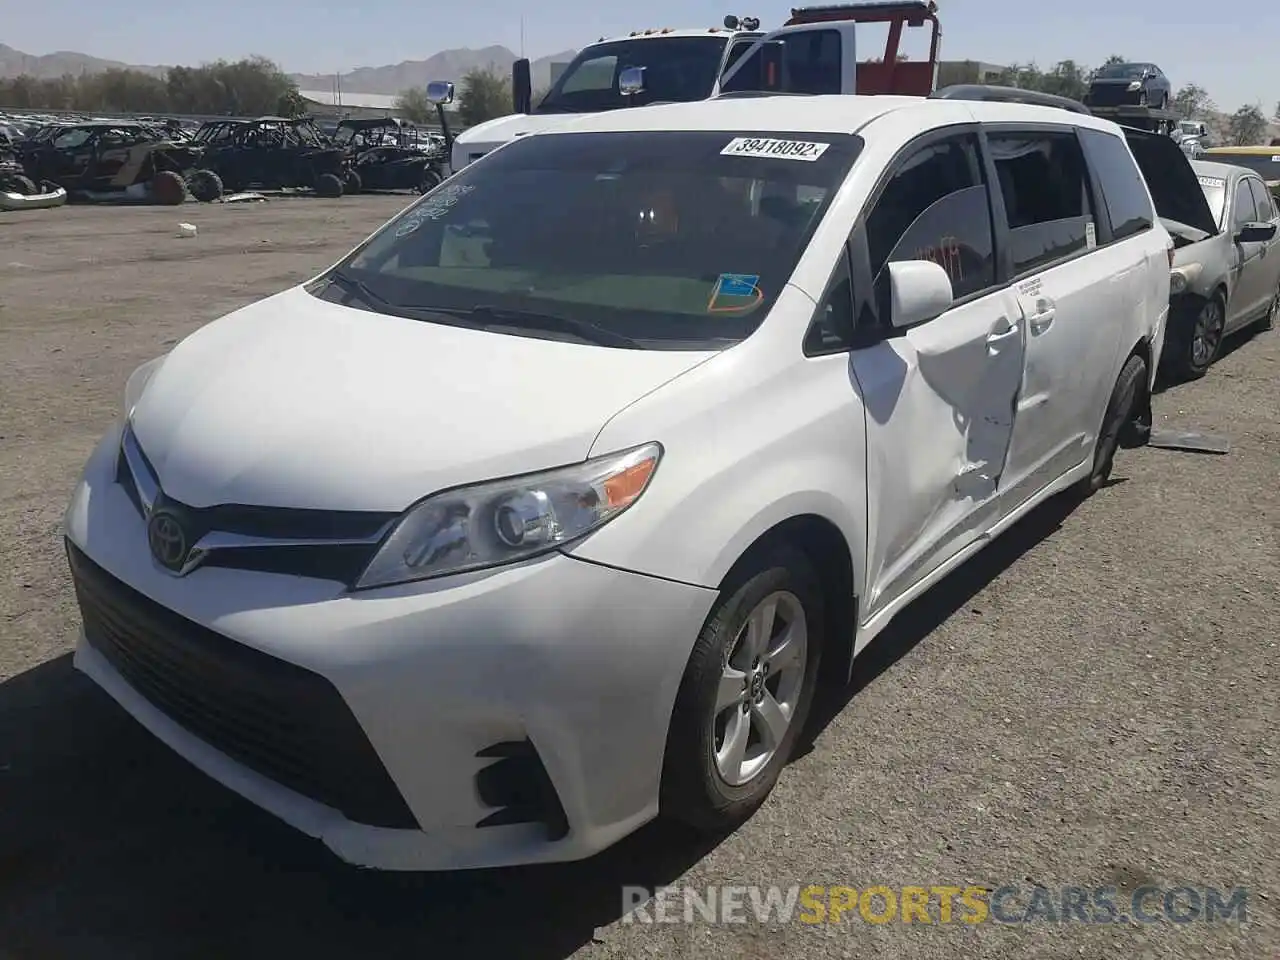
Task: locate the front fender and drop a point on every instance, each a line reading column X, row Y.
column 742, row 452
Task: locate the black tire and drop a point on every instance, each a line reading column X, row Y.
column 1268, row 320
column 1122, row 408
column 23, row 185
column 694, row 791
column 430, row 179
column 168, row 189
column 328, row 185
column 205, row 186
column 352, row 183
column 1199, row 338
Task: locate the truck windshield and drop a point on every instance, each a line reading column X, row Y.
column 657, row 240
column 677, row 69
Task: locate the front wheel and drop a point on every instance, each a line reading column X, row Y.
column 328, row 185
column 430, row 180
column 746, row 693
column 1268, row 320
column 1200, row 339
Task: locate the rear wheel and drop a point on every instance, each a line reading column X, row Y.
column 328, row 185
column 205, row 185
column 168, row 188
column 1122, row 409
column 746, row 693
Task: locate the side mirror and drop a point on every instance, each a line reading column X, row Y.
column 1256, row 233
column 631, row 81
column 522, row 86
column 919, row 290
column 440, row 92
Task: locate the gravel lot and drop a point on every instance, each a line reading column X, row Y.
column 1093, row 701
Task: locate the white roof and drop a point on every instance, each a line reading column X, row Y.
column 658, row 34
column 373, row 101
column 836, row 113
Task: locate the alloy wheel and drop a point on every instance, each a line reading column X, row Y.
column 1207, row 334
column 760, row 687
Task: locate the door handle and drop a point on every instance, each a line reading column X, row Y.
column 1042, row 321
column 999, row 336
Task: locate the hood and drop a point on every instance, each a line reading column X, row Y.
column 1173, row 184
column 296, row 402
column 1183, row 235
column 475, row 142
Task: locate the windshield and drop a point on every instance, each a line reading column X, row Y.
column 1121, row 71
column 1189, row 126
column 670, row 240
column 1265, row 165
column 1215, row 191
column 677, row 69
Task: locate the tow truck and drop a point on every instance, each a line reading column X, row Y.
column 814, row 52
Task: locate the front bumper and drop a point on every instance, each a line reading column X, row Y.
column 577, row 661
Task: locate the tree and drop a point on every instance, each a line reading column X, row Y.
column 250, row 87
column 1066, row 79
column 412, row 104
column 1192, row 102
column 484, row 95
column 1275, row 117
column 1247, row 125
column 291, row 104
column 539, row 95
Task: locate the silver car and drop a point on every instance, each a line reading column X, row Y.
column 1226, row 279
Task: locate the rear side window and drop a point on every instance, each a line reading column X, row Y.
column 1045, row 190
column 1262, row 199
column 1125, row 192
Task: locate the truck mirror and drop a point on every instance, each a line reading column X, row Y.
column 440, row 92
column 521, row 86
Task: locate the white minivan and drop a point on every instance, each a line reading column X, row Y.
column 543, row 511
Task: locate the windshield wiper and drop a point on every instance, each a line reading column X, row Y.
column 488, row 315
column 360, row 289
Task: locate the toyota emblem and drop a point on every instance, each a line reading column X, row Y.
column 168, row 541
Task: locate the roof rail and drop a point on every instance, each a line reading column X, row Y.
column 994, row 94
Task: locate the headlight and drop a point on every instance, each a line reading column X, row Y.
column 489, row 524
column 1135, row 85
column 137, row 383
column 1180, row 278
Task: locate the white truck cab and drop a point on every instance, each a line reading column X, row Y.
column 814, row 52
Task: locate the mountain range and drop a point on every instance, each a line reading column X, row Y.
column 389, row 79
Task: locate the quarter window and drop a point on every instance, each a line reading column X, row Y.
column 936, row 207
column 1042, row 180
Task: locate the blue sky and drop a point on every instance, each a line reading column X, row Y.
column 1229, row 53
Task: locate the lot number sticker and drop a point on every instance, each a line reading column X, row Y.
column 1212, row 182
column 774, row 149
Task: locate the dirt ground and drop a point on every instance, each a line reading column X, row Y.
column 1092, row 702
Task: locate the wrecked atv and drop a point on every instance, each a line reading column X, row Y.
column 117, row 160
column 272, row 153
column 386, row 153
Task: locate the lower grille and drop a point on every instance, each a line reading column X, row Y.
column 284, row 722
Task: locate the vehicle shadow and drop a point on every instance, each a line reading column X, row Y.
column 113, row 847
column 930, row 611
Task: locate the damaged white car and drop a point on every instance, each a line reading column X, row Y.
column 543, row 511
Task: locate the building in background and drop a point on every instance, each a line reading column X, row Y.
column 331, row 104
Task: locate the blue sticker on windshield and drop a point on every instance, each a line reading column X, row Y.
column 735, row 292
column 737, row 285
